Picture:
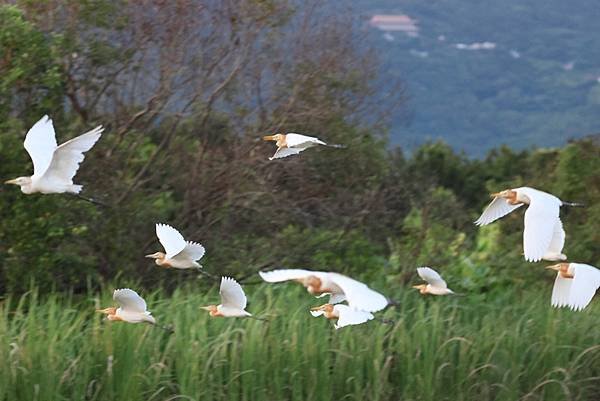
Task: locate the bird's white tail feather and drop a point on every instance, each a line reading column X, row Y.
column 76, row 189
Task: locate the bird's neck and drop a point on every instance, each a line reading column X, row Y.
column 27, row 189
column 162, row 261
column 314, row 290
column 564, row 273
column 215, row 313
column 282, row 142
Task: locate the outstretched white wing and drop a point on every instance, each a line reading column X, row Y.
column 192, row 251
column 68, row 156
column 171, row 239
column 359, row 295
column 232, row 294
column 285, row 152
column 540, row 219
column 432, row 277
column 277, row 276
column 129, row 300
column 40, row 143
column 302, row 141
column 561, row 291
column 586, row 281
column 498, row 208
column 350, row 316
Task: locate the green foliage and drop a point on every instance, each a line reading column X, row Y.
column 29, row 73
column 438, row 348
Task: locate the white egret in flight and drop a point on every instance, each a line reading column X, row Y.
column 542, row 224
column 54, row 166
column 339, row 287
column 344, row 314
column 435, row 284
column 180, row 254
column 233, row 300
column 575, row 285
column 292, row 144
column 132, row 308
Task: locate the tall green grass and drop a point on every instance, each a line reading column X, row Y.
column 446, row 348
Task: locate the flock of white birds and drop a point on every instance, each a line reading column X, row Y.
column 543, row 239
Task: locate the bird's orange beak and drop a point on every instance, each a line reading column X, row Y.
column 269, row 138
column 14, row 182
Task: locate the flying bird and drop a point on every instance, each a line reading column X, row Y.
column 54, row 166
column 233, row 300
column 543, row 234
column 339, row 287
column 435, row 284
column 344, row 314
column 575, row 285
column 132, row 308
column 180, row 254
column 292, row 144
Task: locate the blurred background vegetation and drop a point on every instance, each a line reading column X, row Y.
column 185, row 89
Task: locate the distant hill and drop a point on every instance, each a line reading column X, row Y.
column 484, row 73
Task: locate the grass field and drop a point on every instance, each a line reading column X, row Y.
column 452, row 348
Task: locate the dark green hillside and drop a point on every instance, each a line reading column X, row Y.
column 543, row 93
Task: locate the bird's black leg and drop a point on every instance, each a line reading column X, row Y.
column 91, row 200
column 262, row 319
column 207, row 274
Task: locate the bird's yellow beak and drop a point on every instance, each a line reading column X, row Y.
column 495, row 194
column 14, row 182
column 554, row 267
column 269, row 138
column 105, row 311
column 151, row 256
column 208, row 308
column 418, row 287
column 317, row 308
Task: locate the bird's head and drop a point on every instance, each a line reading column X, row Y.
column 506, row 194
column 275, row 137
column 23, row 182
column 107, row 311
column 157, row 255
column 328, row 308
column 312, row 284
column 211, row 308
column 421, row 287
column 559, row 267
